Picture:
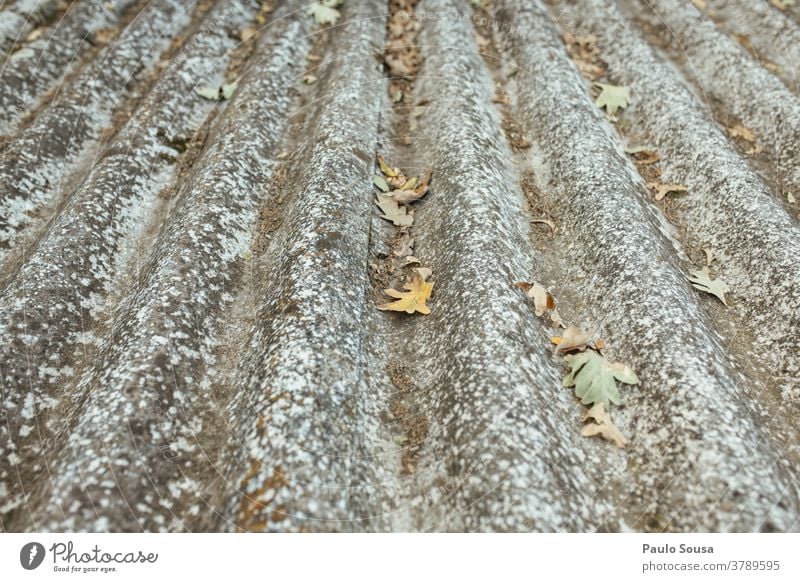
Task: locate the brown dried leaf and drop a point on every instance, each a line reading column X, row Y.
column 404, row 245
column 644, row 155
column 573, row 340
column 661, row 190
column 542, row 300
column 742, row 132
column 555, row 317
column 602, row 426
column 702, row 281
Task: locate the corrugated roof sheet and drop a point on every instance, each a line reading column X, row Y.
column 189, row 332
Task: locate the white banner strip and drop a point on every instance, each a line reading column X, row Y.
column 402, row 557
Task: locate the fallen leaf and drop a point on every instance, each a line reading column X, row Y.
column 424, row 182
column 400, row 65
column 783, row 4
column 602, row 426
column 210, row 93
column 643, row 154
column 405, row 196
column 228, row 90
column 709, row 256
column 387, row 170
column 502, row 98
column 702, row 280
column 555, row 317
column 700, row 4
column 414, row 299
column 661, row 190
column 790, row 198
column 542, row 300
column 24, row 53
column 404, row 245
column 742, row 132
column 613, row 97
column 545, row 221
column 595, row 378
column 324, row 11
column 309, row 79
column 34, row 34
column 380, row 182
column 248, row 33
column 105, row 35
column 393, row 212
column 573, row 340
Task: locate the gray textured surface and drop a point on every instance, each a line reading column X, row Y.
column 189, row 338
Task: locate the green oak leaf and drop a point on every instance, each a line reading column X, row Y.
column 595, row 378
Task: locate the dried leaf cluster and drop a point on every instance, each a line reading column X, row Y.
column 584, row 52
column 401, row 56
column 395, row 193
column 661, row 190
column 593, row 378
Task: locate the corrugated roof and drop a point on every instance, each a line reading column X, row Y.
column 189, row 327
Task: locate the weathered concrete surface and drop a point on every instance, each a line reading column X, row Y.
column 36, row 166
column 46, row 61
column 189, row 332
column 64, row 287
column 18, row 19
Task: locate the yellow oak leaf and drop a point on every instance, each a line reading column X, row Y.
column 418, row 291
